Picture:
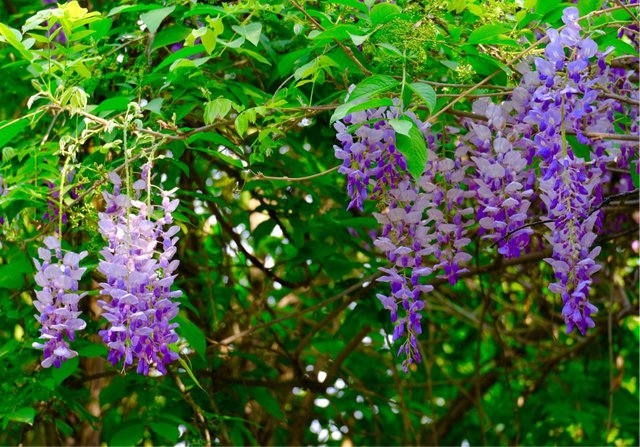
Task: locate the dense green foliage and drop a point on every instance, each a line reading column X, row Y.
column 282, row 338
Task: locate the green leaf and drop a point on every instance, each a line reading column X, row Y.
column 12, row 274
column 587, row 6
column 424, row 92
column 413, row 148
column 218, row 108
column 312, row 67
column 187, row 368
column 24, row 415
column 170, row 35
column 355, row 106
column 9, row 129
column 14, row 38
column 65, row 428
column 359, row 40
column 338, row 32
column 400, row 126
column 155, row 106
column 383, row 13
column 487, row 34
column 248, row 116
column 153, row 19
column 251, row 32
column 115, row 104
column 130, row 435
column 130, row 8
column 373, row 86
column 166, row 430
column 391, row 48
column 93, row 350
column 181, row 53
column 66, row 369
column 635, row 177
column 581, row 150
column 193, row 334
column 209, row 39
column 268, row 402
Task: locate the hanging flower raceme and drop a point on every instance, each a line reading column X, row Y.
column 563, row 99
column 370, row 155
column 139, row 269
column 503, row 187
column 57, row 303
column 422, row 219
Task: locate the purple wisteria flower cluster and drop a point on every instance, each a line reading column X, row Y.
column 502, row 184
column 58, row 273
column 541, row 149
column 370, row 154
column 140, row 271
column 564, row 97
column 422, row 218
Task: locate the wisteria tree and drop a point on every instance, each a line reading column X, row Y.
column 329, row 222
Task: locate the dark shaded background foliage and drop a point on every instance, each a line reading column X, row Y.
column 281, row 328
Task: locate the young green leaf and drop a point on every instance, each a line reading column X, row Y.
column 218, row 108
column 487, row 34
column 25, row 415
column 153, row 19
column 14, row 38
column 413, row 147
column 373, row 86
column 383, row 13
column 251, row 32
column 424, row 92
column 355, row 106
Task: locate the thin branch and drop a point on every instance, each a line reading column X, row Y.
column 611, row 198
column 365, row 282
column 611, row 364
column 196, row 409
column 633, row 102
column 448, row 85
column 595, row 135
column 228, row 228
column 626, row 8
column 261, row 176
column 347, row 50
column 512, row 232
column 351, row 346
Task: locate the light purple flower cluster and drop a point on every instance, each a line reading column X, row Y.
column 564, row 99
column 512, row 154
column 427, row 218
column 404, row 240
column 370, row 154
column 58, row 275
column 502, row 184
column 139, row 271
column 568, row 198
